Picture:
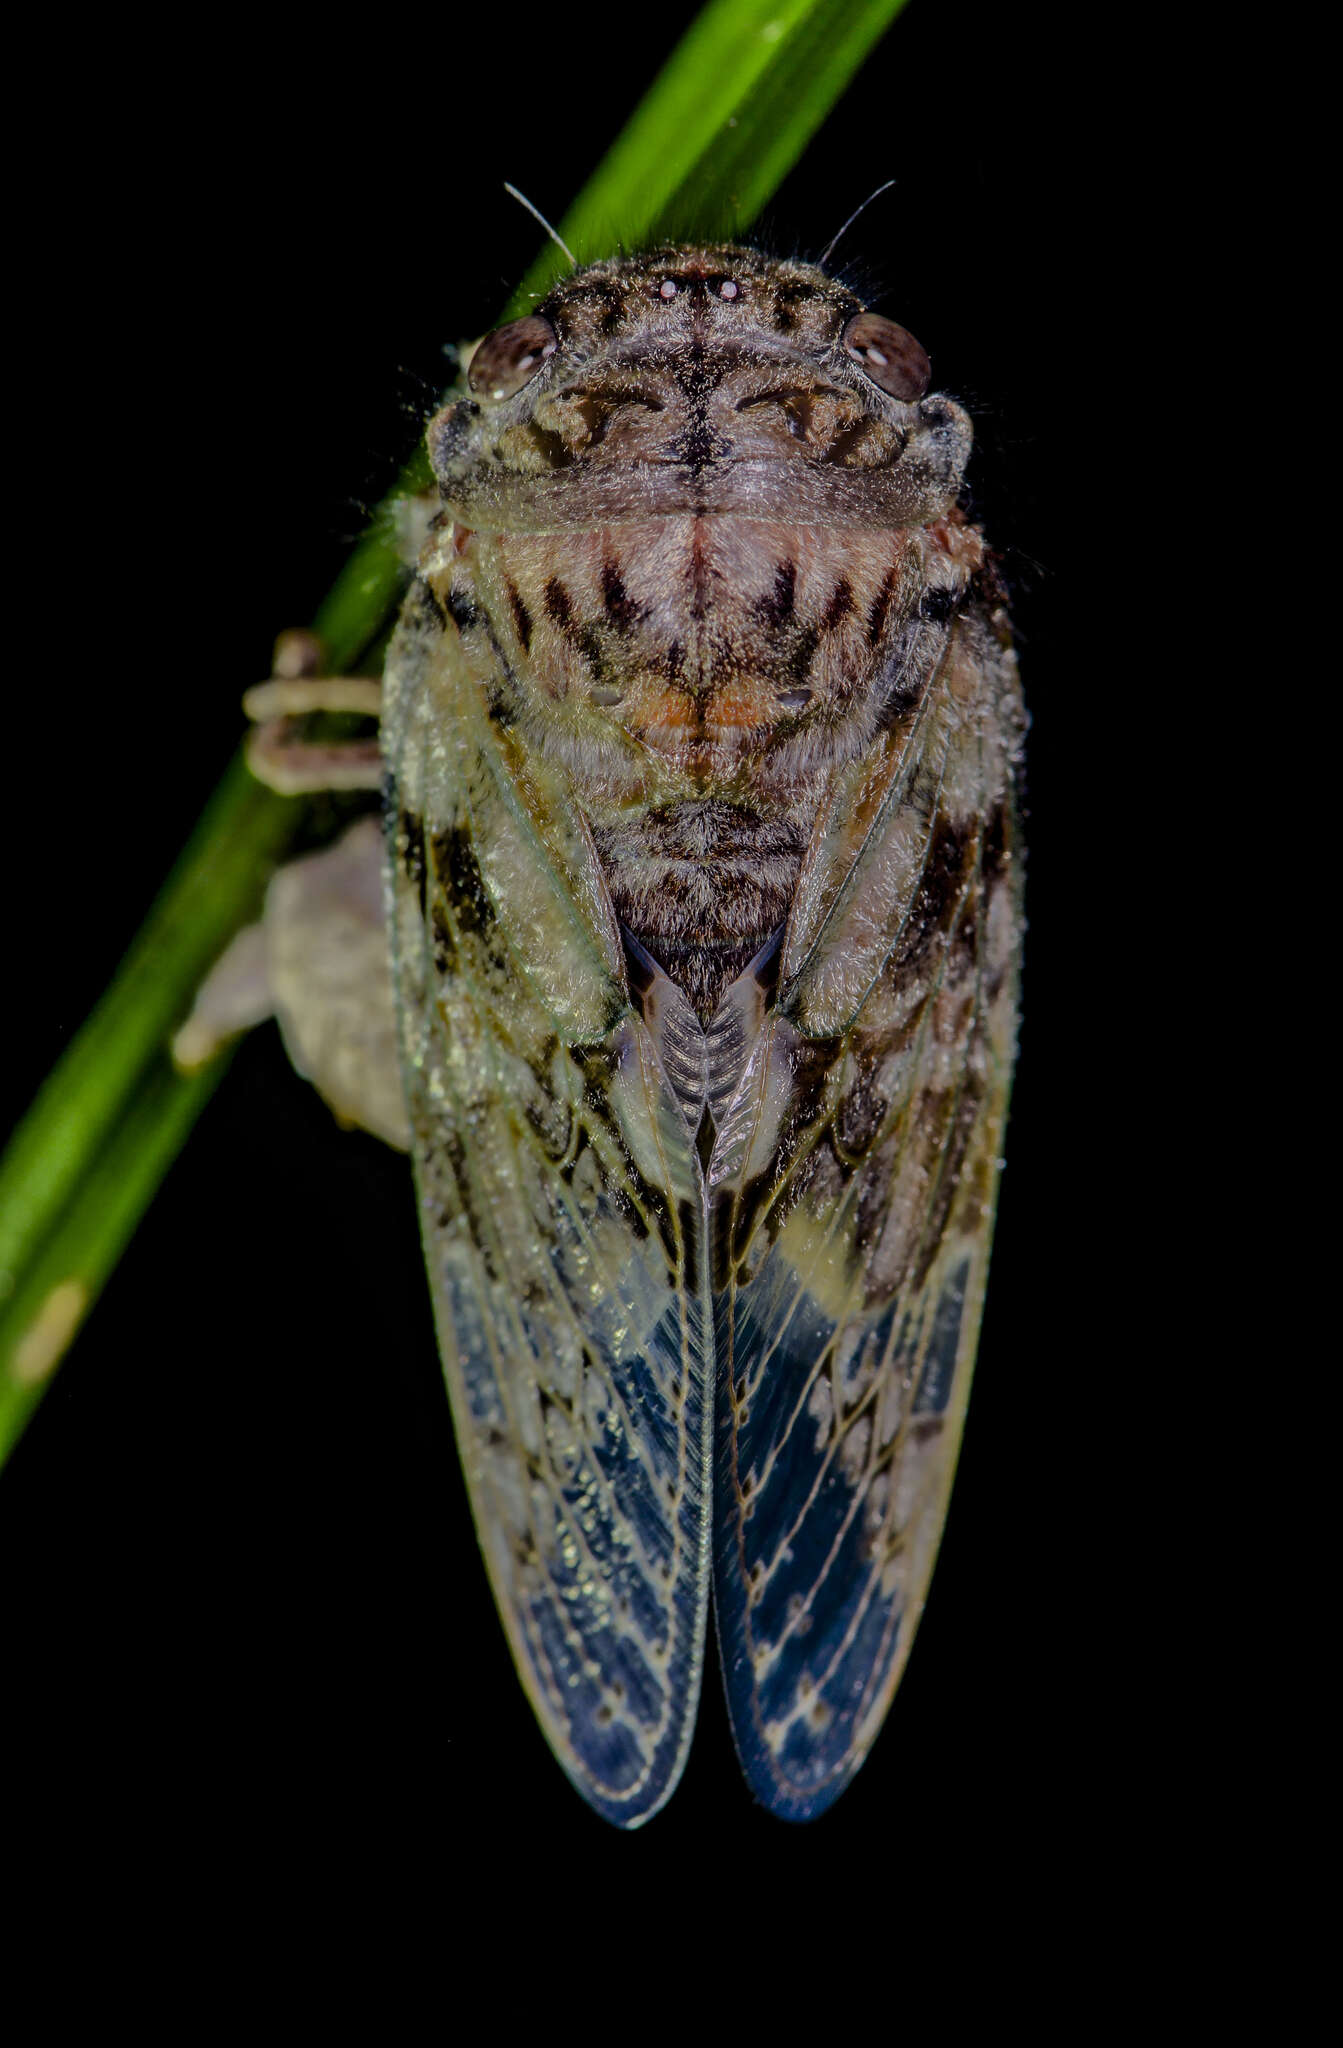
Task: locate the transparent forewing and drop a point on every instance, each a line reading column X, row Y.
column 853, row 1215
column 560, row 1209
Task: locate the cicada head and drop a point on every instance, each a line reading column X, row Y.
column 727, row 380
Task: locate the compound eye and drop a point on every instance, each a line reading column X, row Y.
column 888, row 354
column 511, row 357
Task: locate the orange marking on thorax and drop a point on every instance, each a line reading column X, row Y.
column 741, row 705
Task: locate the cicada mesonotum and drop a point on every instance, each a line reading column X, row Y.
column 700, row 732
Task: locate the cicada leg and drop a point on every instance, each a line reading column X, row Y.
column 279, row 754
column 317, row 961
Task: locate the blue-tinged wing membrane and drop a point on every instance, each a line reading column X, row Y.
column 582, row 1290
column 562, row 1223
column 855, row 1179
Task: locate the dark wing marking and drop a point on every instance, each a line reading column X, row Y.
column 561, row 1211
column 855, row 1174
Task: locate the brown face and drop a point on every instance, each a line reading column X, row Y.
column 697, row 381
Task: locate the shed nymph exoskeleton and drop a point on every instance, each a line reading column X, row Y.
column 701, row 874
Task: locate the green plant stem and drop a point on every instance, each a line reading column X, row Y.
column 62, row 1283
column 108, row 1121
column 729, row 114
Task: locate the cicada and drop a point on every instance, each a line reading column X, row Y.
column 700, row 884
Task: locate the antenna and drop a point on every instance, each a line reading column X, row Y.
column 835, row 240
column 536, row 214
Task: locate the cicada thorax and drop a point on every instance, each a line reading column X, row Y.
column 699, row 678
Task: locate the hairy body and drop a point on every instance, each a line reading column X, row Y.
column 701, row 737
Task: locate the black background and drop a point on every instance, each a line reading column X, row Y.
column 243, row 1589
